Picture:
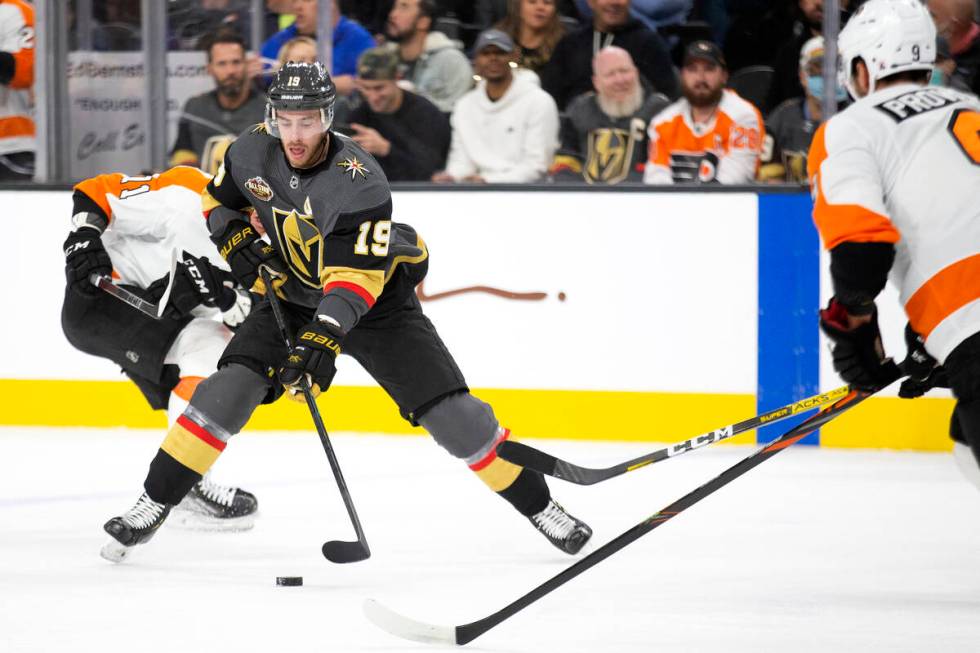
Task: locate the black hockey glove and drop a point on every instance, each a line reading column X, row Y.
column 85, row 256
column 859, row 356
column 197, row 282
column 314, row 354
column 924, row 371
column 245, row 252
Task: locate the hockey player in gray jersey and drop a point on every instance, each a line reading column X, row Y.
column 346, row 274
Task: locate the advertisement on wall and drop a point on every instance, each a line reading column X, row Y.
column 108, row 117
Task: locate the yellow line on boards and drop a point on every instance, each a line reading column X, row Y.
column 881, row 422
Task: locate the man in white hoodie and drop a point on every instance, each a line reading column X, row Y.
column 506, row 129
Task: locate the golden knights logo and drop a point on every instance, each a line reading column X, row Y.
column 214, row 152
column 610, row 154
column 301, row 243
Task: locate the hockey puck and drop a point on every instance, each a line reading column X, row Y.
column 289, row 581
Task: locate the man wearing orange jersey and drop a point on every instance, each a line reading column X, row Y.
column 710, row 135
column 895, row 178
column 16, row 99
column 127, row 227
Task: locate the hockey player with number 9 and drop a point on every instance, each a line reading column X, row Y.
column 896, row 182
column 126, row 228
column 346, row 275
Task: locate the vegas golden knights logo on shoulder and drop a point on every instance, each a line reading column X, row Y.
column 214, row 152
column 301, row 243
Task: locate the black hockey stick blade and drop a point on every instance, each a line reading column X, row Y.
column 406, row 628
column 341, row 552
column 540, row 461
column 337, row 551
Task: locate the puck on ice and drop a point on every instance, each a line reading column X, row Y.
column 289, row 581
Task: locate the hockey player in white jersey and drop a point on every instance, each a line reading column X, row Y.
column 127, row 227
column 896, row 185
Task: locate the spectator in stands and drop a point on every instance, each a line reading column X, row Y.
column 655, row 14
column 211, row 121
column 406, row 133
column 17, row 144
column 569, row 72
column 431, row 61
column 786, row 76
column 955, row 22
column 536, row 29
column 301, row 49
column 791, row 125
column 349, row 41
column 491, row 12
column 604, row 134
column 506, row 129
column 710, row 135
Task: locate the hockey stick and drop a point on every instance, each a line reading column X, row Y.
column 155, row 311
column 539, row 461
column 401, row 626
column 338, row 551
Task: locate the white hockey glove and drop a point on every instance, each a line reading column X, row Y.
column 236, row 314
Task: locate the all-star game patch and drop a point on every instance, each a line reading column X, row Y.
column 354, row 167
column 260, row 188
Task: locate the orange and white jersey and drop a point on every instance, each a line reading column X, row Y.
column 677, row 148
column 148, row 217
column 17, row 96
column 902, row 166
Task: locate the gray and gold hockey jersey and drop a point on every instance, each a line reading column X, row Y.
column 331, row 223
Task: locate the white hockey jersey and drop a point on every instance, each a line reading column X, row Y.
column 148, row 217
column 902, row 166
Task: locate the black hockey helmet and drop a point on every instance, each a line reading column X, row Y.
column 300, row 87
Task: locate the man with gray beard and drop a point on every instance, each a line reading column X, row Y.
column 603, row 136
column 211, row 121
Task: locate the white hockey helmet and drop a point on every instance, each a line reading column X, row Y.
column 890, row 36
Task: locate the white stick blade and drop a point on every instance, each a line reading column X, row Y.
column 406, row 628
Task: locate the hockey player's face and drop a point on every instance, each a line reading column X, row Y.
column 301, row 133
column 702, row 82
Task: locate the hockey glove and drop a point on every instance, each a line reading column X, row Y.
column 859, row 356
column 314, row 356
column 235, row 314
column 924, row 371
column 85, row 256
column 245, row 252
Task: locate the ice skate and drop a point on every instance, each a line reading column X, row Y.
column 213, row 507
column 563, row 530
column 135, row 526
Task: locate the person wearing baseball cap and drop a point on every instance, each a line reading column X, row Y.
column 506, row 129
column 406, row 133
column 791, row 126
column 709, row 135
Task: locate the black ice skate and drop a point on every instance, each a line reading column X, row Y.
column 136, row 526
column 564, row 531
column 213, row 507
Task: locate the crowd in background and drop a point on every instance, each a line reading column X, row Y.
column 569, row 91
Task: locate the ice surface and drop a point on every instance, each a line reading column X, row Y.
column 816, row 550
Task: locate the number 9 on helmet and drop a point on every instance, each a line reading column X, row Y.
column 890, row 36
column 300, row 87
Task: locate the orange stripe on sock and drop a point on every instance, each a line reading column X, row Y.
column 186, row 387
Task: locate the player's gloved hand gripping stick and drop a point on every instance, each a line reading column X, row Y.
column 335, row 550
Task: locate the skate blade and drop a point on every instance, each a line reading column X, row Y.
column 192, row 521
column 115, row 552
